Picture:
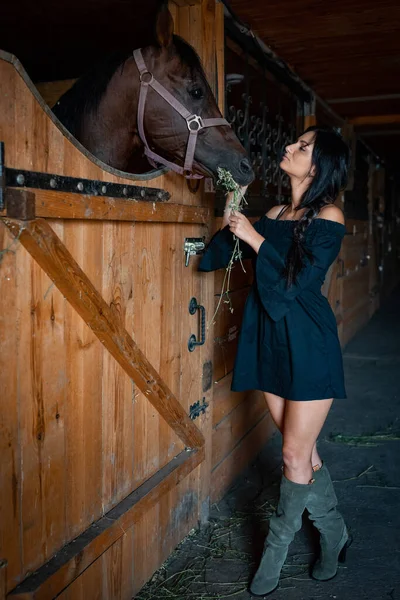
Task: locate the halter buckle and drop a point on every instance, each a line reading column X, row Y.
column 146, row 77
column 194, row 123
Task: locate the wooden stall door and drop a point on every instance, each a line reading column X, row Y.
column 89, row 470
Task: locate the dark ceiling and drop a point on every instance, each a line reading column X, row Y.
column 347, row 51
column 60, row 40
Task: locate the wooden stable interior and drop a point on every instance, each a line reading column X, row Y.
column 102, row 472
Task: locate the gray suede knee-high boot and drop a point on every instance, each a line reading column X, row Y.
column 282, row 528
column 335, row 539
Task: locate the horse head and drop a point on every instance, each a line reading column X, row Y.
column 174, row 64
column 102, row 110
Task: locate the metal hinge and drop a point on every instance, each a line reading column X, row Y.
column 19, row 178
column 197, row 409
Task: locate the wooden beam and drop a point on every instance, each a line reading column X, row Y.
column 375, row 120
column 186, row 2
column 51, row 91
column 363, row 99
column 378, row 133
column 63, row 205
column 220, row 55
column 20, row 204
column 50, row 253
column 309, row 120
column 53, row 577
column 3, row 579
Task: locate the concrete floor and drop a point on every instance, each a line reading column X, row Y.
column 360, row 443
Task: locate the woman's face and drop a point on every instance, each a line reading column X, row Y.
column 296, row 161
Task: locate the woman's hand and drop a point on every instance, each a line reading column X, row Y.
column 244, row 230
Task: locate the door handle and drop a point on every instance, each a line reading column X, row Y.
column 193, row 308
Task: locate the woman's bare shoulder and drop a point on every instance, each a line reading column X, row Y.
column 332, row 213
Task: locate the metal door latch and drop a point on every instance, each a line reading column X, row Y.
column 197, row 409
column 193, row 246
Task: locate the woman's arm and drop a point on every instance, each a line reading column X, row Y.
column 240, row 226
column 274, row 294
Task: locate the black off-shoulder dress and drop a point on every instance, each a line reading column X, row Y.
column 288, row 343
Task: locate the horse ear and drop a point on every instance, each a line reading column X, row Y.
column 164, row 26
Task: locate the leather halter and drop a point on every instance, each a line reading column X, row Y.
column 194, row 122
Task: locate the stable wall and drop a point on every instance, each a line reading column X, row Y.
column 78, row 434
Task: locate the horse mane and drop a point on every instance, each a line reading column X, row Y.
column 85, row 95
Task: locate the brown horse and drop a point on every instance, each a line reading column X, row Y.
column 101, row 111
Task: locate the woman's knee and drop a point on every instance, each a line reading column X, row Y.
column 296, row 457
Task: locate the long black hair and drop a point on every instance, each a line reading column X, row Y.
column 330, row 159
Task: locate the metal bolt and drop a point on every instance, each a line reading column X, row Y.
column 104, row 189
column 159, row 195
column 125, row 191
column 20, row 179
column 53, row 183
column 80, row 186
column 143, row 193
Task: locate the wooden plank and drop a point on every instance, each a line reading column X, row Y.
column 355, row 321
column 192, row 372
column 171, row 303
column 353, row 258
column 88, row 585
column 356, row 286
column 245, row 451
column 225, row 401
column 146, row 320
column 47, row 249
column 356, row 239
column 309, row 120
column 108, row 577
column 61, row 205
column 207, row 392
column 51, row 91
column 127, row 568
column 186, row 2
column 3, row 579
column 238, row 279
column 227, row 323
column 20, row 204
column 375, row 120
column 146, row 557
column 41, row 399
column 78, row 555
column 354, row 226
column 83, row 386
column 10, row 450
column 207, row 32
column 220, row 55
column 226, row 332
column 236, row 425
column 118, row 451
column 172, row 307
column 224, row 355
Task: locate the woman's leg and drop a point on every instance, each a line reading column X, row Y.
column 302, row 423
column 301, row 426
column 276, row 406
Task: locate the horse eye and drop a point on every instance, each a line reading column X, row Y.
column 196, row 93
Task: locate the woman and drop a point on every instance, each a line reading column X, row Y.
column 288, row 345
